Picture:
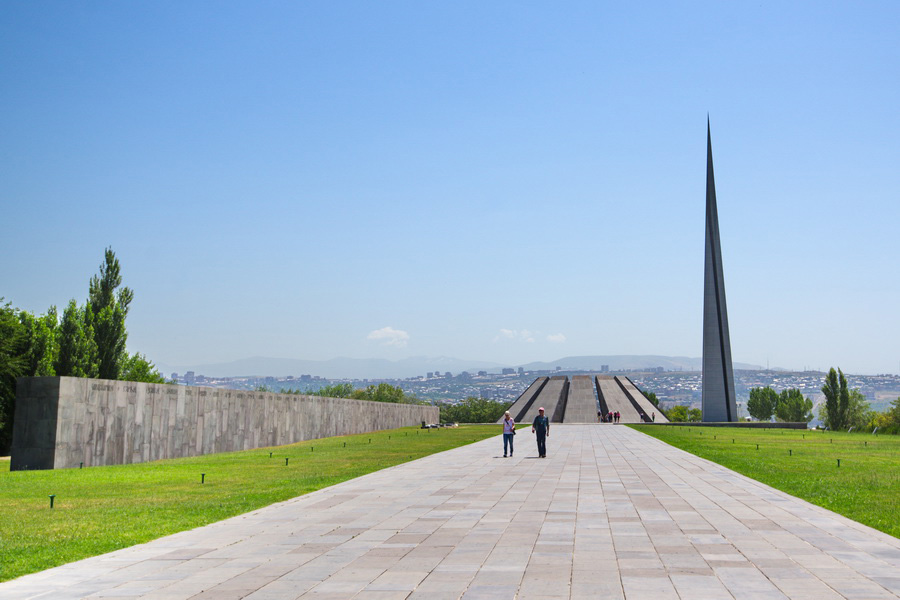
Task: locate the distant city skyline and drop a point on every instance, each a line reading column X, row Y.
column 495, row 182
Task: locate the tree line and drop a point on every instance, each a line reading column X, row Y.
column 789, row 406
column 470, row 410
column 677, row 413
column 382, row 392
column 843, row 409
column 85, row 341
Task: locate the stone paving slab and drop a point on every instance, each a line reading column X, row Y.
column 610, row 513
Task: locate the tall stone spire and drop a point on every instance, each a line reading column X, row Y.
column 718, row 399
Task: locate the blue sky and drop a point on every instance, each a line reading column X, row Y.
column 505, row 181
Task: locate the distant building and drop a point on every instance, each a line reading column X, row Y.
column 189, row 378
column 174, row 377
column 604, row 368
column 429, row 375
column 482, row 373
column 447, row 375
column 521, row 371
column 508, row 371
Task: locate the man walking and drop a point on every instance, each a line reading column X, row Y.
column 541, row 427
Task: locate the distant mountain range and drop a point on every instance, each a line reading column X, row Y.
column 379, row 368
column 626, row 361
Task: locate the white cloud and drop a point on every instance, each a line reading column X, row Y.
column 519, row 335
column 556, row 338
column 388, row 336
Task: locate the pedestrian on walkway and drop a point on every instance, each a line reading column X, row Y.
column 509, row 430
column 541, row 427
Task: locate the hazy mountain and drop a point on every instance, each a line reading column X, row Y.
column 336, row 368
column 623, row 362
column 379, row 368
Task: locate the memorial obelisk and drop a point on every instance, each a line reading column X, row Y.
column 718, row 400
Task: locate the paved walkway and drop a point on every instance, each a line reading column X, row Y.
column 611, row 513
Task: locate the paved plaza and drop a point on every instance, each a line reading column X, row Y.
column 611, row 513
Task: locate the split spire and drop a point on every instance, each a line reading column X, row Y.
column 718, row 400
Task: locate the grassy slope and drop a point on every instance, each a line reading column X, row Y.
column 865, row 488
column 101, row 509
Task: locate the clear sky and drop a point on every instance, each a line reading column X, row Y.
column 505, row 181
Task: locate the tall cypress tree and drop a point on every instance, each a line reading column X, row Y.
column 837, row 399
column 107, row 308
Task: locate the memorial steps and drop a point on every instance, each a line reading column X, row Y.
column 520, row 407
column 613, row 399
column 641, row 401
column 581, row 405
column 578, row 400
column 551, row 398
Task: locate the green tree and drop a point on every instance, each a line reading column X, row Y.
column 137, row 367
column 107, row 309
column 12, row 365
column 77, row 356
column 792, row 407
column 859, row 412
column 41, row 348
column 473, row 410
column 678, row 414
column 383, row 392
column 695, row 415
column 888, row 421
column 762, row 402
column 338, row 390
column 837, row 400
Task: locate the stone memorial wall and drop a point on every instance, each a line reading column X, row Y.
column 62, row 422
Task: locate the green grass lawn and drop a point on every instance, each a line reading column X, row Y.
column 865, row 488
column 100, row 509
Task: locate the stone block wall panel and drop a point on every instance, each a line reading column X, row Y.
column 61, row 422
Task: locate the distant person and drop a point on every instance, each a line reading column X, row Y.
column 616, row 417
column 541, row 427
column 509, row 430
column 653, row 417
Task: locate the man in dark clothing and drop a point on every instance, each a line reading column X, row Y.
column 541, row 427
